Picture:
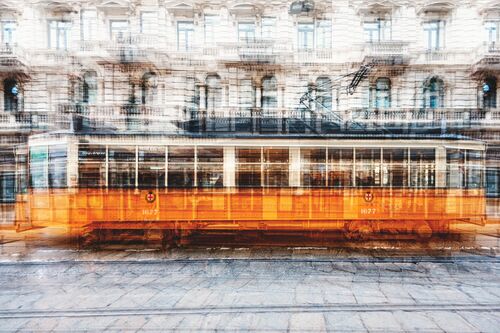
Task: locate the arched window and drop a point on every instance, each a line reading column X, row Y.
column 489, row 92
column 214, row 92
column 11, row 95
column 434, row 93
column 89, row 88
column 323, row 94
column 381, row 93
column 149, row 88
column 269, row 92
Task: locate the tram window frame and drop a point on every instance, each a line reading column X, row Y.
column 422, row 167
column 474, row 169
column 275, row 167
column 210, row 166
column 38, row 167
column 248, row 166
column 122, row 167
column 340, row 167
column 368, row 166
column 313, row 166
column 392, row 167
column 57, row 166
column 95, row 163
column 455, row 168
column 151, row 171
column 181, row 170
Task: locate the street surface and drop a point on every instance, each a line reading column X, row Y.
column 267, row 294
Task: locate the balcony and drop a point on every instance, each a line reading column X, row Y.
column 29, row 122
column 255, row 51
column 358, row 121
column 487, row 57
column 117, row 118
column 443, row 57
column 12, row 59
column 387, row 52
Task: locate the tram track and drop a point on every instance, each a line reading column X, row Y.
column 120, row 312
column 477, row 258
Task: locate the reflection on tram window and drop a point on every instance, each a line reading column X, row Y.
column 455, row 170
column 422, row 167
column 8, row 176
column 368, row 167
column 248, row 167
column 151, row 161
column 210, row 175
column 180, row 175
column 276, row 175
column 340, row 161
column 275, row 167
column 248, row 175
column 38, row 167
column 91, row 166
column 121, row 167
column 210, row 155
column 395, row 167
column 313, row 167
column 181, row 166
column 275, row 155
column 58, row 159
column 474, row 169
column 210, row 166
column 180, row 154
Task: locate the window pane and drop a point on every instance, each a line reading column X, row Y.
column 210, row 154
column 89, row 25
column 268, row 27
column 180, row 175
column 210, row 175
column 324, row 34
column 57, row 166
column 305, row 36
column 121, row 167
column 210, row 31
column 276, row 155
column 38, row 167
column 180, row 154
column 313, row 155
column 276, row 175
column 248, row 155
column 246, row 32
column 185, row 31
column 248, row 175
column 119, row 30
column 314, row 175
column 91, row 166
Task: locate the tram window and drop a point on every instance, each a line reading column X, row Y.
column 248, row 155
column 248, row 167
column 248, row 175
column 180, row 175
column 455, row 168
column 368, row 167
column 57, row 166
column 395, row 167
column 38, row 167
column 121, row 167
column 210, row 155
column 340, row 167
column 314, row 175
column 180, row 154
column 276, row 175
column 210, row 175
column 474, row 169
column 276, row 155
column 151, row 171
column 91, row 166
column 210, row 166
column 313, row 167
column 422, row 168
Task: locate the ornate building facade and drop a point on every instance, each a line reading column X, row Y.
column 219, row 69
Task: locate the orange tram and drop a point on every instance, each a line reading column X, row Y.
column 168, row 187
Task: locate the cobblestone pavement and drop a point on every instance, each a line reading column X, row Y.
column 347, row 294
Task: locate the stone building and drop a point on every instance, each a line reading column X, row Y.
column 227, row 68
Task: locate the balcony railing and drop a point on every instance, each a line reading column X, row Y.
column 387, row 51
column 31, row 121
column 12, row 56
